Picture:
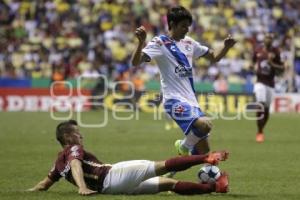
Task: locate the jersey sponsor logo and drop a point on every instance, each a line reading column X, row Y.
column 183, row 71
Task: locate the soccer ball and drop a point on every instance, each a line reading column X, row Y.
column 209, row 174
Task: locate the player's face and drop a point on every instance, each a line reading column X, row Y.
column 268, row 40
column 182, row 28
column 75, row 137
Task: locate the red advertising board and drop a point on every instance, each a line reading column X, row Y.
column 63, row 100
column 40, row 99
column 284, row 103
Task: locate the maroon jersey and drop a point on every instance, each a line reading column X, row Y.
column 94, row 170
column 264, row 72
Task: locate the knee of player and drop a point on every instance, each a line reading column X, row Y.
column 209, row 125
column 206, row 126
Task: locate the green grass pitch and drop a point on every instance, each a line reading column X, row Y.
column 257, row 171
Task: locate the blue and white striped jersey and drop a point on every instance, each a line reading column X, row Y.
column 176, row 80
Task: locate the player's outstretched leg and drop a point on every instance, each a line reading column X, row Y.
column 162, row 184
column 190, row 188
column 184, row 162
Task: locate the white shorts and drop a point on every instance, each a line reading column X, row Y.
column 263, row 93
column 131, row 177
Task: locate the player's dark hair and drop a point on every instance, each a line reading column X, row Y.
column 178, row 14
column 64, row 128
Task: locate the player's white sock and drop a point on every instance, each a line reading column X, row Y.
column 190, row 140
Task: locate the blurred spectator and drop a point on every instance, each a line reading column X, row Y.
column 77, row 36
column 220, row 84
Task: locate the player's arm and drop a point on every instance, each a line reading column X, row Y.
column 216, row 57
column 43, row 185
column 273, row 64
column 77, row 173
column 138, row 56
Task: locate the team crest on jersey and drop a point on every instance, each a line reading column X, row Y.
column 178, row 109
column 188, row 48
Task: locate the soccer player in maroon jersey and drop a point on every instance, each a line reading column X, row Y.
column 267, row 64
column 91, row 176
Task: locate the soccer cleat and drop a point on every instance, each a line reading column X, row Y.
column 216, row 156
column 181, row 150
column 222, row 184
column 260, row 137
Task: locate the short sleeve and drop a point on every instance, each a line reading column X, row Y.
column 75, row 152
column 54, row 174
column 153, row 48
column 199, row 50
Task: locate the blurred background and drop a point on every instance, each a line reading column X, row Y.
column 45, row 41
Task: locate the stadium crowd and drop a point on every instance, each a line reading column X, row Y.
column 62, row 39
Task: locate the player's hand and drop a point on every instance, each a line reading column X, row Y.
column 35, row 189
column 86, row 191
column 229, row 42
column 141, row 34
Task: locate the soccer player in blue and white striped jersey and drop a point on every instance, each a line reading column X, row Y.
column 174, row 54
